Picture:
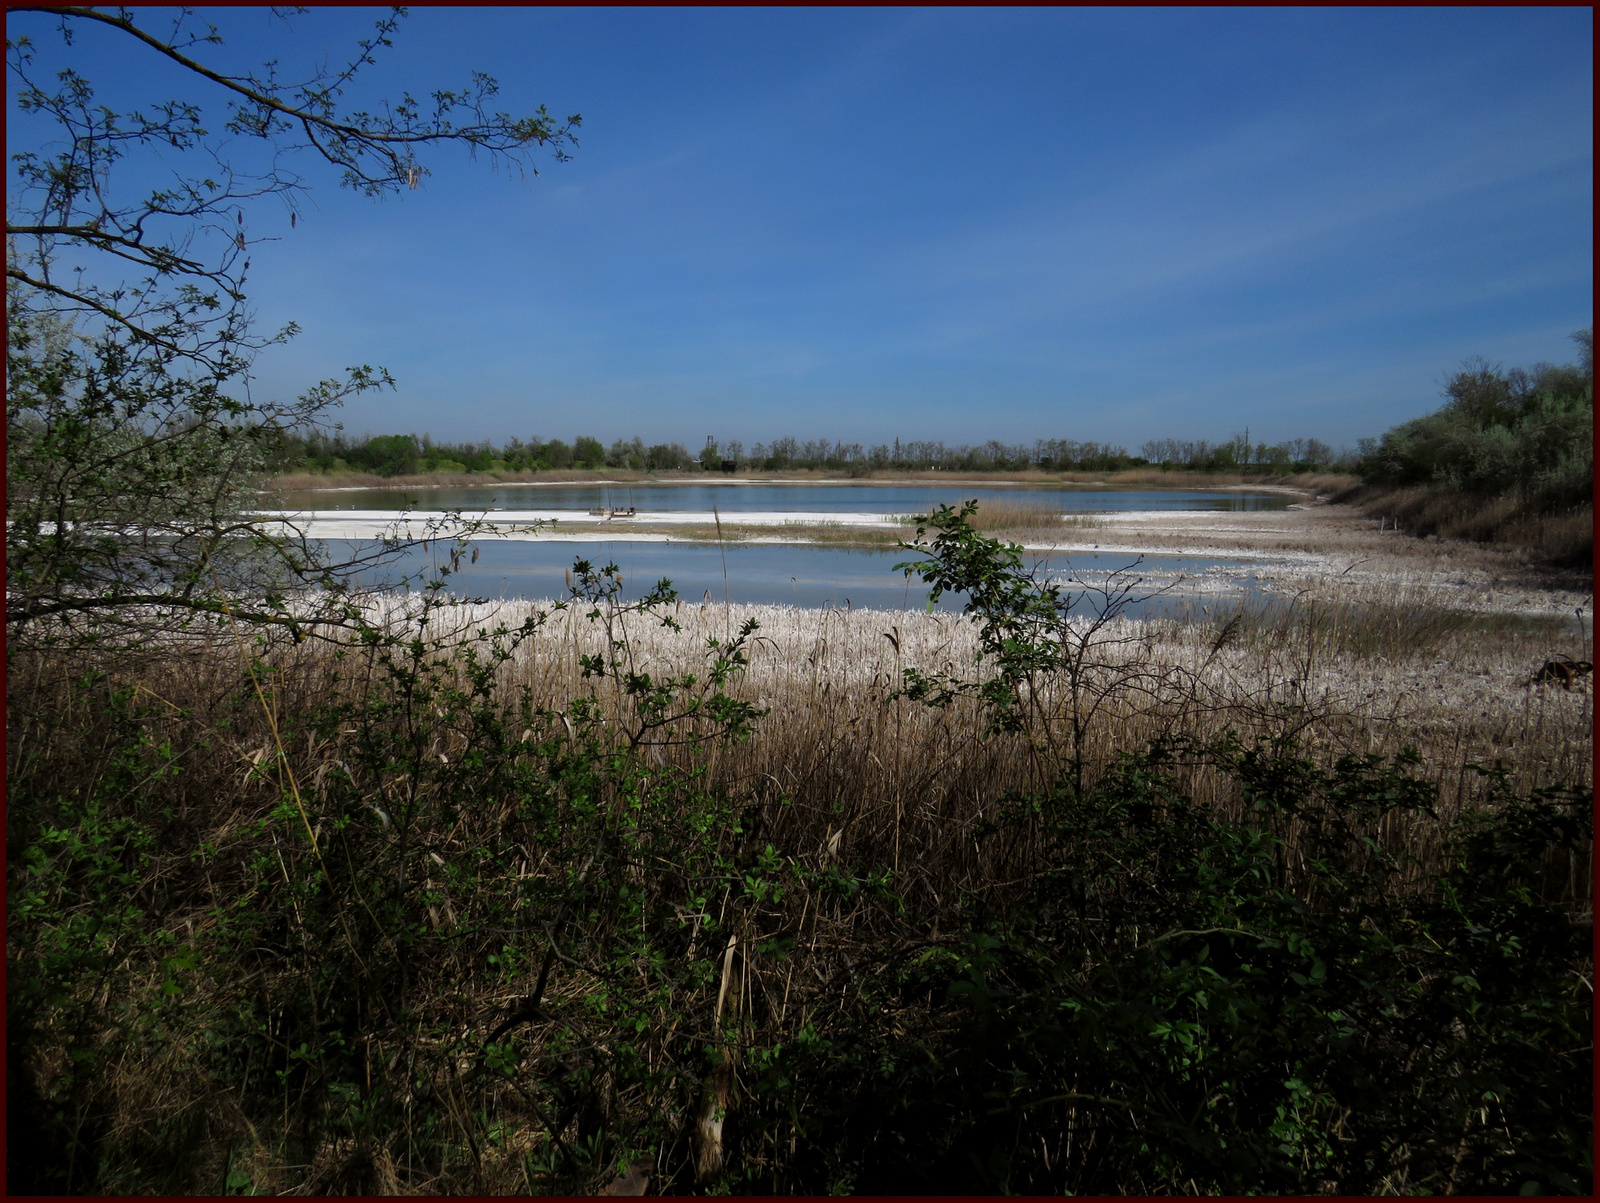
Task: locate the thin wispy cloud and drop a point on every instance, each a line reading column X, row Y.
column 962, row 224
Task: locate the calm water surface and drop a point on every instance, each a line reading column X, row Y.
column 793, row 574
column 775, row 574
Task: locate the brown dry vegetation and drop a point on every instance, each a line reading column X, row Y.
column 1024, row 516
column 1562, row 538
column 1363, row 670
column 857, row 785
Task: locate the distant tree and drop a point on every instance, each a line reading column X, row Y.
column 668, row 457
column 782, row 453
column 519, row 455
column 1241, row 448
column 555, row 454
column 1273, row 455
column 390, row 454
column 626, row 453
column 588, row 453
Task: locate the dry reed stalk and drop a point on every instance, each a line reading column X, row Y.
column 716, row 1088
column 1032, row 515
column 870, row 782
column 909, row 783
column 911, row 780
column 1382, row 676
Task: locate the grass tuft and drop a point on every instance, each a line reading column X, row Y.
column 544, row 910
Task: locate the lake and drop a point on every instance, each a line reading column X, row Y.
column 801, row 574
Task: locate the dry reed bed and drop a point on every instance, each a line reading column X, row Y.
column 1379, row 669
column 894, row 783
column 1030, row 516
column 1565, row 538
column 1353, row 670
column 868, row 780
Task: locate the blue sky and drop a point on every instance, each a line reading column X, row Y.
column 950, row 224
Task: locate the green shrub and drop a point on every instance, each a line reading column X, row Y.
column 1176, row 1005
column 440, row 932
column 1176, row 1000
column 388, row 455
column 460, row 837
column 1530, row 433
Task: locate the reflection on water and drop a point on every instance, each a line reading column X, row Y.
column 732, row 497
column 795, row 574
column 774, row 574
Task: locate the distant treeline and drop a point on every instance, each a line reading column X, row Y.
column 407, row 454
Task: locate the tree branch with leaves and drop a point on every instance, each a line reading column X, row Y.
column 134, row 440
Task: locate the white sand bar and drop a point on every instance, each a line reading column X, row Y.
column 524, row 524
column 1315, row 547
column 569, row 526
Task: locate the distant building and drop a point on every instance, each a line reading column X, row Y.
column 729, row 465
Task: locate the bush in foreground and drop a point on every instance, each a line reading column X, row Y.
column 428, row 928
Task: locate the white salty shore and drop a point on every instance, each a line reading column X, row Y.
column 1308, row 546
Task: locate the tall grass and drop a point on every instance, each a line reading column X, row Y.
column 1029, row 516
column 1307, row 482
column 1562, row 537
column 534, row 912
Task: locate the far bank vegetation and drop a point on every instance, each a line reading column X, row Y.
column 1508, row 459
column 300, row 459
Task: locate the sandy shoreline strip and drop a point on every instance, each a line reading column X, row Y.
column 1328, row 548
